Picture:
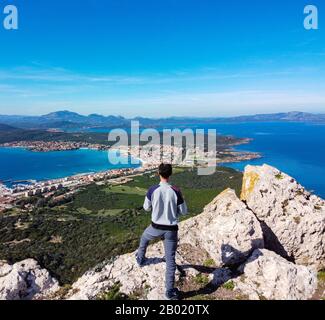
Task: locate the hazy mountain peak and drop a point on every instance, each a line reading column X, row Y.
column 63, row 113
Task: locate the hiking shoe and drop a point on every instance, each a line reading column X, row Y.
column 140, row 261
column 172, row 294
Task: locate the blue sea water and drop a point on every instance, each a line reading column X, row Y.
column 295, row 148
column 18, row 164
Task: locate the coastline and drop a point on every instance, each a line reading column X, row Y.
column 146, row 163
column 67, row 177
column 231, row 156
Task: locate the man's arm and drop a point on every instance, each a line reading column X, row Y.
column 182, row 209
column 181, row 204
column 147, row 206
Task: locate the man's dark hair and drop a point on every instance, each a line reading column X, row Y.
column 165, row 170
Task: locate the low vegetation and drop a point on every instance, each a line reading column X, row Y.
column 113, row 294
column 202, row 279
column 230, row 285
column 98, row 223
column 279, row 176
column 321, row 276
column 209, row 263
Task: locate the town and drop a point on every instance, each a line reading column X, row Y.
column 44, row 146
column 148, row 160
column 60, row 189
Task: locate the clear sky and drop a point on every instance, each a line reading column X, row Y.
column 162, row 57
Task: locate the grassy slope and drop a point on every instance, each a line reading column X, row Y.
column 101, row 222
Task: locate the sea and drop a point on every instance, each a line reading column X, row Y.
column 295, row 148
column 19, row 165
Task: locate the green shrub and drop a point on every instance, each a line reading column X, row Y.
column 321, row 276
column 209, row 263
column 113, row 294
column 202, row 279
column 279, row 176
column 230, row 285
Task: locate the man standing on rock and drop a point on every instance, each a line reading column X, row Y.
column 167, row 205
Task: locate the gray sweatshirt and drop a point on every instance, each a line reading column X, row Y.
column 166, row 203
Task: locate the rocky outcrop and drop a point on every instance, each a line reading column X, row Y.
column 227, row 230
column 266, row 275
column 292, row 219
column 275, row 212
column 147, row 282
column 231, row 232
column 24, row 281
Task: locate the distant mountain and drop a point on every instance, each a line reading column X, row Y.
column 294, row 116
column 73, row 117
column 64, row 116
column 66, row 120
column 62, row 120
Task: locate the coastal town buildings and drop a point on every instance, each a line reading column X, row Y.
column 148, row 159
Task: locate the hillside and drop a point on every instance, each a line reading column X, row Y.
column 267, row 245
column 6, row 128
column 9, row 134
column 104, row 220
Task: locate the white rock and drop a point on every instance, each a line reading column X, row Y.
column 227, row 230
column 294, row 220
column 266, row 275
column 149, row 280
column 25, row 280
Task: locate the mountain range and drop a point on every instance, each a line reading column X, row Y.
column 65, row 120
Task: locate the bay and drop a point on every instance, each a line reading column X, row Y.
column 295, row 148
column 17, row 164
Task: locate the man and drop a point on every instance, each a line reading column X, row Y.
column 167, row 204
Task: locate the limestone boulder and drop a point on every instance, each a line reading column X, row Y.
column 25, row 280
column 227, row 230
column 266, row 275
column 293, row 220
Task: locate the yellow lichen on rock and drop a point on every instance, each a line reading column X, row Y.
column 250, row 180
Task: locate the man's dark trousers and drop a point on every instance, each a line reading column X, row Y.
column 170, row 243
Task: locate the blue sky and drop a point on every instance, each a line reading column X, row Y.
column 162, row 57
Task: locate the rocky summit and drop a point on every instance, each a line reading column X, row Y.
column 292, row 219
column 269, row 244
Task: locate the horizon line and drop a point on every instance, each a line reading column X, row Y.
column 163, row 117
